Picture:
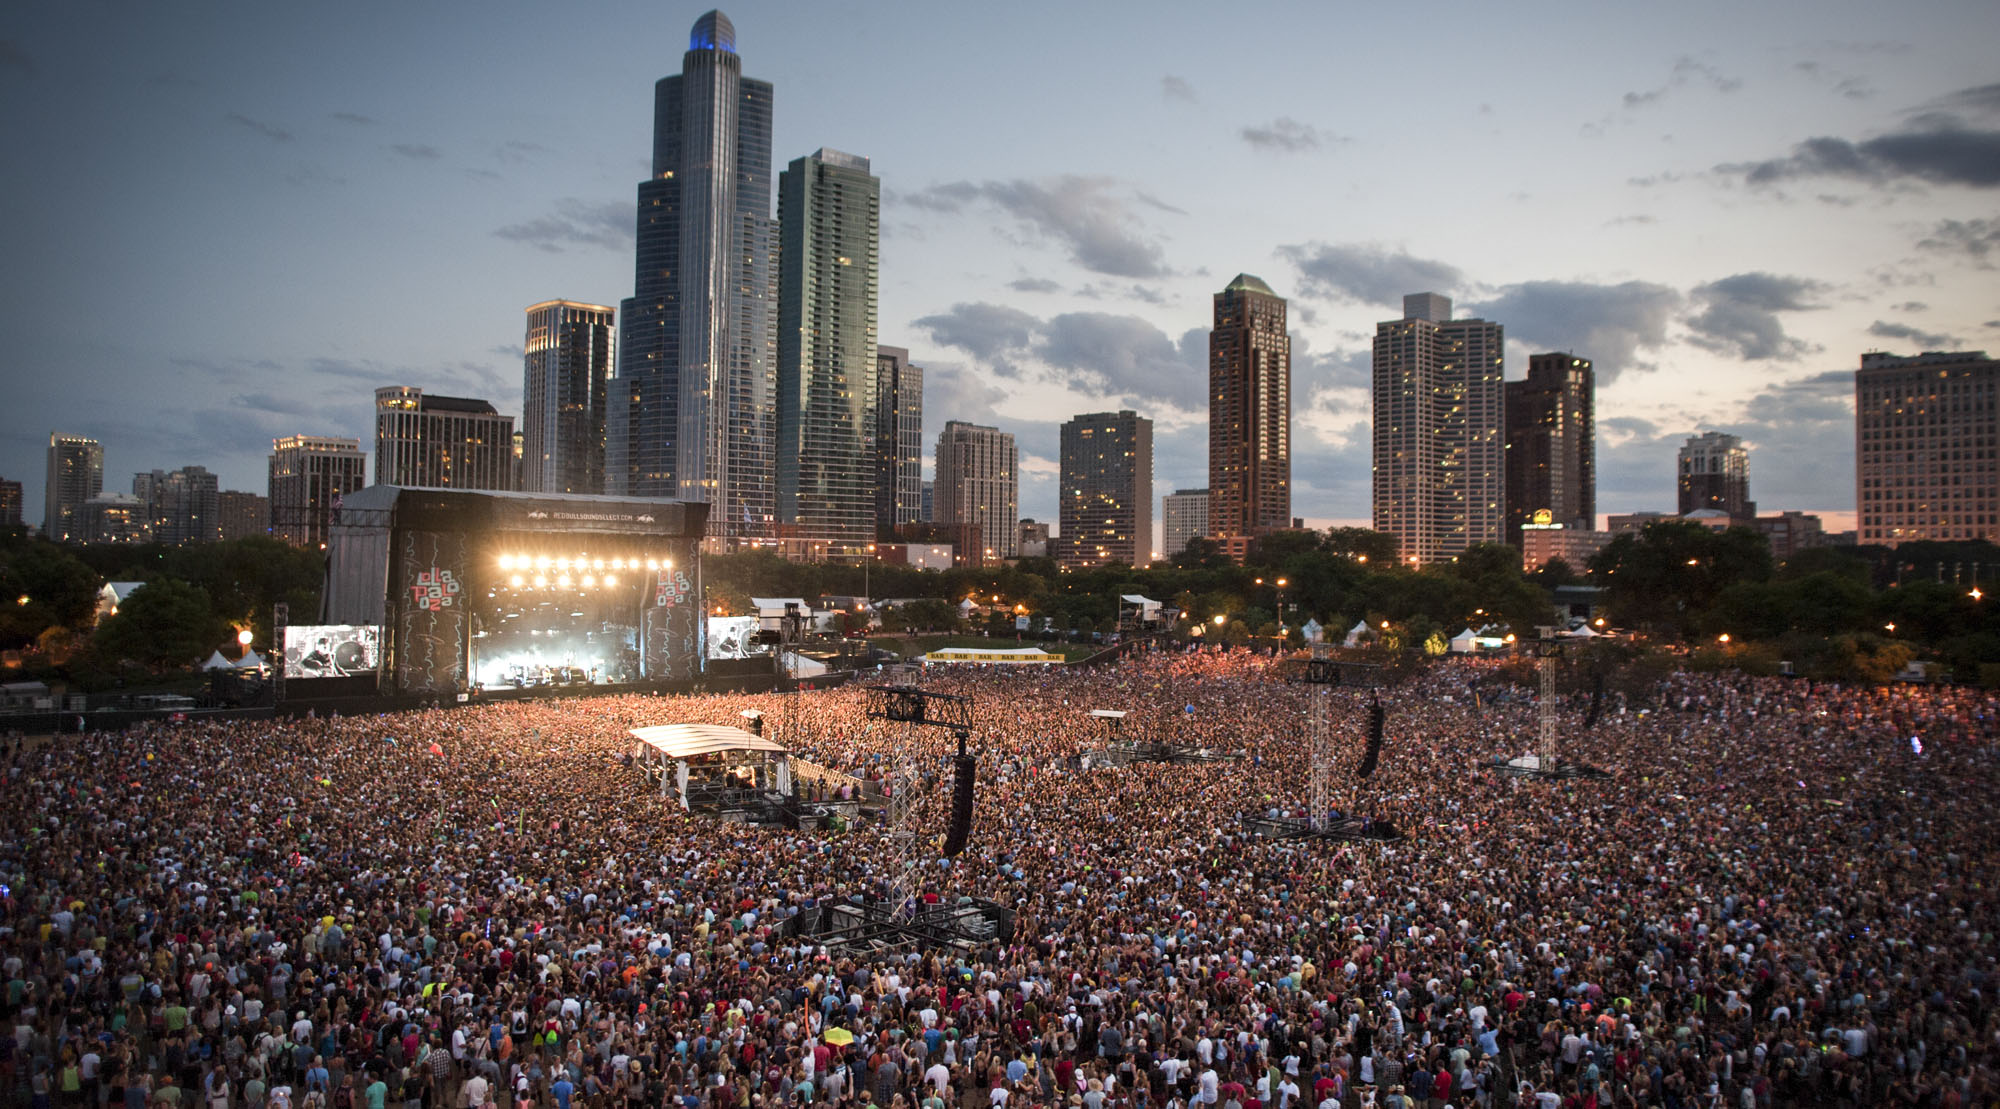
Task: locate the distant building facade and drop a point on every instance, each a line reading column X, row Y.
column 424, row 439
column 565, row 383
column 182, row 506
column 1792, row 532
column 1575, row 546
column 1551, row 458
column 899, row 441
column 1183, row 517
column 829, row 221
column 1439, row 445
column 1631, row 523
column 309, row 475
column 242, row 515
column 978, row 485
column 115, row 518
column 75, row 474
column 1924, row 447
column 1106, row 471
column 1034, row 539
column 1714, row 471
column 10, row 503
column 1249, row 411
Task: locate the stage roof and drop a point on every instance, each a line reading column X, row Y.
column 686, row 741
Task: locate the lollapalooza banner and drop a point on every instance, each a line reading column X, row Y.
column 431, row 612
column 669, row 620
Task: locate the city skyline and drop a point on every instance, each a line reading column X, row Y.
column 1036, row 262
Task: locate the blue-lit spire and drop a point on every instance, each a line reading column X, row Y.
column 713, row 32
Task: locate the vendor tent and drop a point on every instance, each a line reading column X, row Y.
column 217, row 662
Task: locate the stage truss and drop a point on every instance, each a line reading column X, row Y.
column 909, row 705
column 1547, row 762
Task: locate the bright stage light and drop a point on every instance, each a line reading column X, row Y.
column 542, row 563
column 506, row 562
column 562, row 582
column 652, row 564
column 515, row 581
column 597, row 564
column 541, row 581
column 588, row 581
column 617, row 564
column 611, row 579
column 562, row 564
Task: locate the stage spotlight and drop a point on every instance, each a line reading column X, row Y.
column 562, row 564
column 542, row 563
column 611, row 579
column 541, row 581
column 652, row 564
column 589, row 581
column 617, row 564
column 562, row 582
column 515, row 581
column 597, row 564
column 506, row 562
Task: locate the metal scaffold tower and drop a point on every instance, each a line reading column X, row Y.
column 1320, row 679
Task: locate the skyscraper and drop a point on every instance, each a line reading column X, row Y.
column 10, row 504
column 829, row 220
column 309, row 474
column 899, row 441
column 1106, row 511
column 1438, row 399
column 978, row 474
column 1926, row 429
column 76, row 474
column 563, row 397
column 1249, row 413
column 1551, row 450
column 1183, row 517
column 1715, row 474
column 448, row 442
column 243, row 515
column 693, row 413
column 180, row 507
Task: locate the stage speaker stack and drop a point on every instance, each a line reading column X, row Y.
column 1378, row 719
column 966, row 772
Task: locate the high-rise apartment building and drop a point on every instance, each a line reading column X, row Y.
column 1183, row 517
column 1249, row 412
column 1034, row 538
column 1925, row 430
column 309, row 475
column 10, row 503
column 243, row 515
column 563, row 397
column 1715, row 474
column 114, row 517
column 181, row 507
column 693, row 414
column 829, row 220
column 424, row 439
column 929, row 512
column 76, row 474
column 1551, row 460
column 978, row 476
column 1106, row 511
column 1439, row 450
column 899, row 441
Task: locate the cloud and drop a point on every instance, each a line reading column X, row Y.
column 576, row 223
column 1283, row 134
column 1176, row 88
column 991, row 333
column 1367, row 273
column 955, row 392
column 269, row 130
column 279, row 404
column 1975, row 238
column 1739, row 315
column 1798, row 433
column 517, row 151
column 1928, row 340
column 1937, row 145
column 1609, row 324
column 14, row 58
column 1034, row 285
column 1094, row 352
column 355, row 119
column 1685, row 72
column 417, row 151
column 1100, row 229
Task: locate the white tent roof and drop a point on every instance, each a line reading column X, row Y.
column 1136, row 599
column 250, row 661
column 803, row 667
column 1359, row 627
column 1466, row 636
column 217, row 662
column 685, row 741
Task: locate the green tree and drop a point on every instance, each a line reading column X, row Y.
column 1666, row 577
column 61, row 590
column 165, row 625
column 1200, row 554
column 1377, row 547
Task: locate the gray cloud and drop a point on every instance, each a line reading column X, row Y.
column 1366, row 273
column 1100, row 229
column 418, row 151
column 1609, row 324
column 1979, row 100
column 1739, row 315
column 1034, row 285
column 1975, row 238
column 269, row 130
column 1928, row 340
column 15, row 58
column 1176, row 88
column 576, row 223
column 1283, row 134
column 1127, row 356
column 955, row 392
column 1913, row 306
column 355, row 118
column 1685, row 72
column 991, row 333
column 1937, row 145
column 1798, row 432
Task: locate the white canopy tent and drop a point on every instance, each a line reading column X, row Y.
column 251, row 660
column 682, row 743
column 1465, row 642
column 217, row 662
column 1355, row 633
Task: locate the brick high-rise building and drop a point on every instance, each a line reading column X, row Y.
column 10, row 503
column 1106, row 509
column 242, row 515
column 1439, row 451
column 978, row 484
column 181, row 507
column 1551, row 464
column 1714, row 473
column 1249, row 412
column 1926, row 436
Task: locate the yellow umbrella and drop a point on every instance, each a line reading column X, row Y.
column 839, row 1036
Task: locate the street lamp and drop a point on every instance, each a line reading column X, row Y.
column 1723, row 639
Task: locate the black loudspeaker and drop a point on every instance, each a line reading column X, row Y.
column 1378, row 719
column 1596, row 699
column 966, row 772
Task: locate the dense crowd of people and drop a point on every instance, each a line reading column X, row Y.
column 1781, row 896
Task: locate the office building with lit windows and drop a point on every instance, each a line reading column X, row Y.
column 1714, row 473
column 1249, row 413
column 564, row 393
column 829, row 220
column 424, row 439
column 978, row 485
column 1439, row 482
column 1926, row 437
column 1106, row 472
column 75, row 474
column 181, row 507
column 310, row 474
column 899, row 441
column 1551, row 459
column 1183, row 517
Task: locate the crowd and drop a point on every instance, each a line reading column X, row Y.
column 1781, row 896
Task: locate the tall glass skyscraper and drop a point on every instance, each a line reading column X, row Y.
column 563, row 398
column 829, row 219
column 899, row 442
column 692, row 413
